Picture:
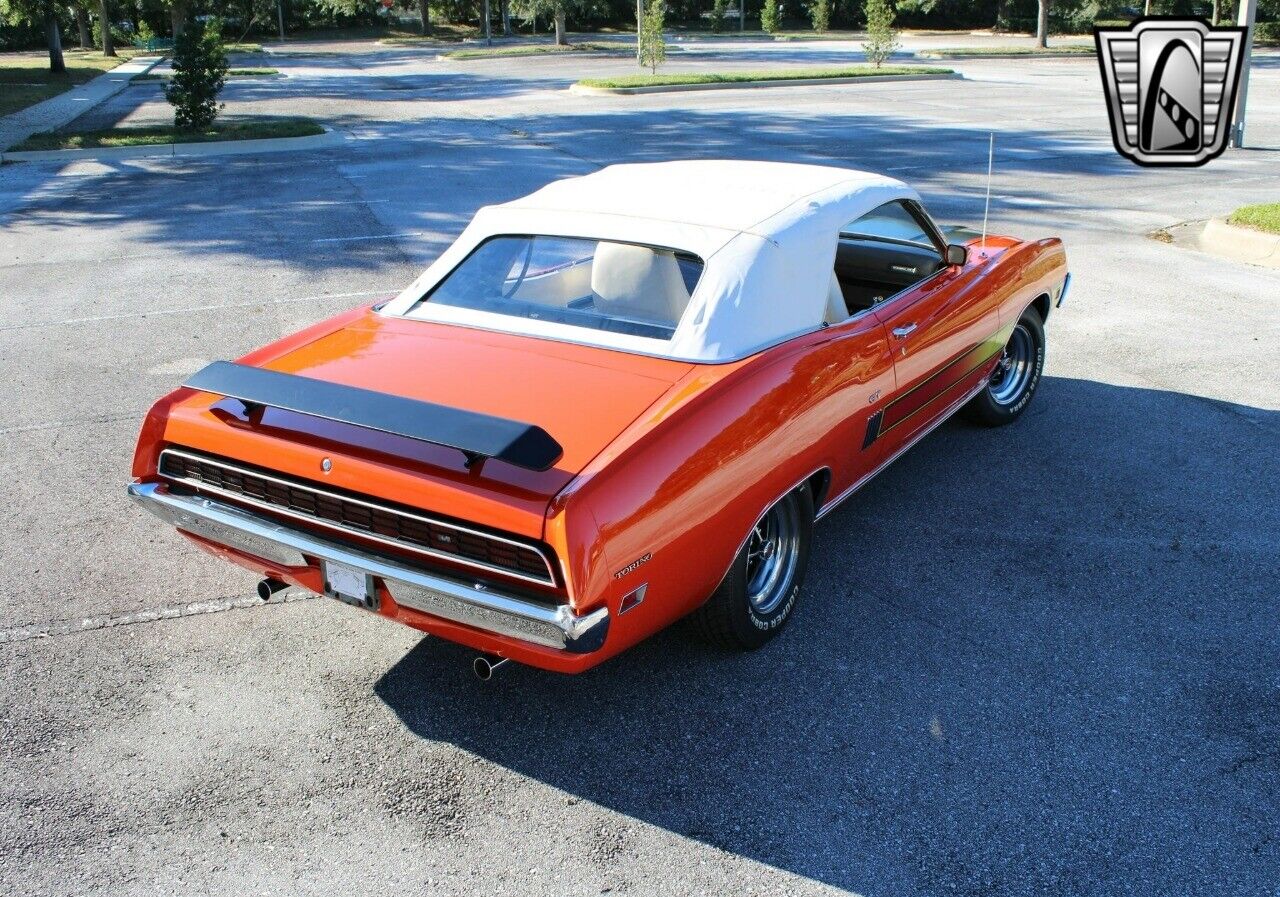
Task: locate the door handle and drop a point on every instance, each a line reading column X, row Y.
column 904, row 331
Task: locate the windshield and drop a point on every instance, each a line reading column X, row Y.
column 619, row 287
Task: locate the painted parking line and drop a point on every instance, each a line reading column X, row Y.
column 412, row 233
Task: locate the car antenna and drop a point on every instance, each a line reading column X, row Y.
column 991, row 155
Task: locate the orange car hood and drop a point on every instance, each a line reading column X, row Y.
column 583, row 396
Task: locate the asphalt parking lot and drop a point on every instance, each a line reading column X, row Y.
column 1039, row 660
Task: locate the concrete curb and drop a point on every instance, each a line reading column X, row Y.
column 330, row 137
column 1243, row 244
column 969, row 57
column 584, row 90
column 572, row 54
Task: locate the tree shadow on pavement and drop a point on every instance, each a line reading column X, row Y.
column 1035, row 660
column 396, row 187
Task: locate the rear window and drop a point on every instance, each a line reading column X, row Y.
column 597, row 284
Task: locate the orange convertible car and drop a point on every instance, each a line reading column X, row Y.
column 616, row 402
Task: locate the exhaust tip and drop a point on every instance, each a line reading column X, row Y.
column 485, row 665
column 269, row 587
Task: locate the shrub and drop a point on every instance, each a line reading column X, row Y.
column 1268, row 32
column 144, row 35
column 770, row 20
column 653, row 48
column 717, row 15
column 820, row 14
column 199, row 71
column 881, row 39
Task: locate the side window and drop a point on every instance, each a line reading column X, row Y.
column 883, row 253
column 891, row 221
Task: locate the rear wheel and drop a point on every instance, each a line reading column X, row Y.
column 1016, row 375
column 758, row 594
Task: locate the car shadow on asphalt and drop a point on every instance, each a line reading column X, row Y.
column 1036, row 659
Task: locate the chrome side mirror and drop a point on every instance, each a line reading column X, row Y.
column 956, row 255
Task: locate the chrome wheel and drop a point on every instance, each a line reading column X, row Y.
column 773, row 551
column 1013, row 370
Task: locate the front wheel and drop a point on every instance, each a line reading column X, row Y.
column 758, row 594
column 1016, row 375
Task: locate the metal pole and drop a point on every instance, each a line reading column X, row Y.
column 488, row 38
column 639, row 28
column 280, row 17
column 1248, row 18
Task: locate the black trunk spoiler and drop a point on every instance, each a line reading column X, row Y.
column 477, row 436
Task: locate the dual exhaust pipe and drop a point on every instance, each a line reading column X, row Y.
column 484, row 666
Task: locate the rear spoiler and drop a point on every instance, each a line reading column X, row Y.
column 477, row 436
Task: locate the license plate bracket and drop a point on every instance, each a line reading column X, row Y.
column 349, row 585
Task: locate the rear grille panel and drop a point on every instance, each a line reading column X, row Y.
column 410, row 531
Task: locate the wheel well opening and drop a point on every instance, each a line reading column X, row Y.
column 818, row 485
column 1041, row 305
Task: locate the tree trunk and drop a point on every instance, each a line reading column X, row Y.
column 488, row 37
column 178, row 17
column 559, row 16
column 56, row 63
column 639, row 28
column 742, row 15
column 1042, row 25
column 505, row 8
column 82, row 23
column 424, row 13
column 1217, row 12
column 104, row 16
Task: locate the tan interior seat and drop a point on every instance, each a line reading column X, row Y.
column 638, row 282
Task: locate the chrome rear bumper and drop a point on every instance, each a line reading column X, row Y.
column 472, row 604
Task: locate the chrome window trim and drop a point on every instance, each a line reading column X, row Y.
column 364, row 534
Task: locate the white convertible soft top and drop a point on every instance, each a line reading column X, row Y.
column 767, row 232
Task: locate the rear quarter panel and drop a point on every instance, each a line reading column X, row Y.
column 680, row 490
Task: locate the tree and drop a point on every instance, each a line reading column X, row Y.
column 82, row 25
column 769, row 20
column 820, row 14
column 1042, row 25
column 557, row 9
column 653, row 47
column 881, row 38
column 717, row 15
column 38, row 12
column 424, row 13
column 199, row 71
column 104, row 20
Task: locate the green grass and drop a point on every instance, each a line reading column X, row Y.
column 541, row 50
column 155, row 135
column 25, row 78
column 852, row 71
column 978, row 52
column 231, row 73
column 819, row 35
column 1265, row 217
column 242, row 48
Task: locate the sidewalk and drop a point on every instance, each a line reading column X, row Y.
column 57, row 111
